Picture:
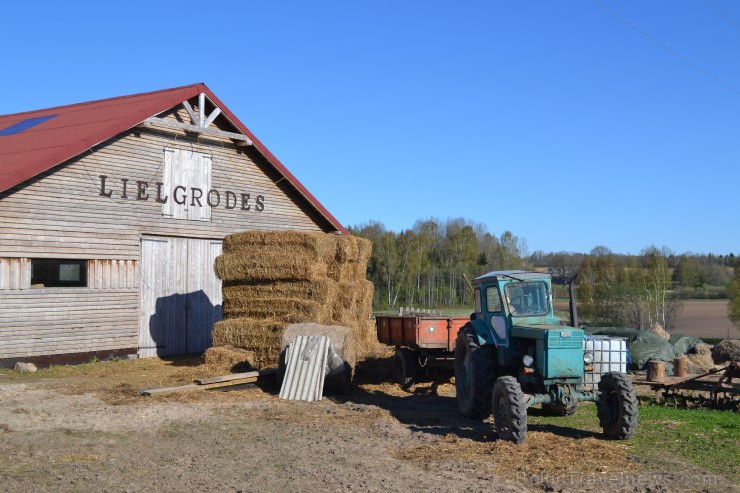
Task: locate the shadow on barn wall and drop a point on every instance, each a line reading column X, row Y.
column 182, row 323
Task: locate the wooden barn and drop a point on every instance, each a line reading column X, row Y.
column 112, row 213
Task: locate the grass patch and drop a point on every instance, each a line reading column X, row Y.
column 705, row 438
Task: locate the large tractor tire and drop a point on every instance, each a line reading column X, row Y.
column 405, row 367
column 509, row 410
column 560, row 409
column 473, row 375
column 617, row 408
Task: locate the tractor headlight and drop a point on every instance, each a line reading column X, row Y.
column 588, row 358
column 527, row 360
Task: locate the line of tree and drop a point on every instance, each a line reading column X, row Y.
column 427, row 266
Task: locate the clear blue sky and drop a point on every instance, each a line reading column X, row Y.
column 570, row 123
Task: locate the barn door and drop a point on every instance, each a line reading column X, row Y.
column 180, row 295
column 204, row 294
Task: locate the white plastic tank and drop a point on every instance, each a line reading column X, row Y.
column 610, row 354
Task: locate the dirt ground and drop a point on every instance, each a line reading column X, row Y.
column 705, row 318
column 86, row 428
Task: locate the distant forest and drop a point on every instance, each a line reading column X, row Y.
column 425, row 266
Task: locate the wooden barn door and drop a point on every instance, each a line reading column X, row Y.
column 180, row 296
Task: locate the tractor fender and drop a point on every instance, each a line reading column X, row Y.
column 486, row 334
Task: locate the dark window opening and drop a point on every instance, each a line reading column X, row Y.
column 56, row 273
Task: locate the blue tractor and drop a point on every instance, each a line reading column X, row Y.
column 514, row 353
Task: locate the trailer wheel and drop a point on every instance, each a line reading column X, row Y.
column 473, row 375
column 509, row 410
column 617, row 407
column 560, row 409
column 404, row 367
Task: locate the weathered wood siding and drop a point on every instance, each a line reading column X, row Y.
column 62, row 214
column 53, row 321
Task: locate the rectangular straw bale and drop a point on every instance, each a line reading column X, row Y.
column 364, row 251
column 311, row 244
column 261, row 336
column 366, row 296
column 290, row 310
column 355, row 295
column 346, row 271
column 321, row 290
column 353, row 249
column 346, row 248
column 367, row 333
column 268, row 267
column 229, row 358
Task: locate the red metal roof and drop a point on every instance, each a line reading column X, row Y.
column 36, row 141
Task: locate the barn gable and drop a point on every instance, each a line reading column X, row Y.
column 128, row 224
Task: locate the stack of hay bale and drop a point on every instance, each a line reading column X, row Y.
column 275, row 278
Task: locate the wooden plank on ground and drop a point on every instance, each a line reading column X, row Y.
column 236, row 376
column 195, row 386
column 213, row 382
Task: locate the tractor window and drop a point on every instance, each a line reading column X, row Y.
column 478, row 308
column 527, row 299
column 493, row 299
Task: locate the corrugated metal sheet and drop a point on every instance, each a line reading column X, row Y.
column 306, row 368
column 61, row 133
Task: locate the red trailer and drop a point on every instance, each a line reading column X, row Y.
column 422, row 341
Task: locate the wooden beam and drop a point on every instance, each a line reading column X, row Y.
column 191, row 112
column 195, row 386
column 239, row 138
column 201, row 109
column 236, row 376
column 212, row 117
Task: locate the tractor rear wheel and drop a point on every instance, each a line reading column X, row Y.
column 617, row 408
column 509, row 410
column 473, row 375
column 404, row 367
column 560, row 409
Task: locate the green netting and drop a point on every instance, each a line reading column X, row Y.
column 683, row 344
column 642, row 346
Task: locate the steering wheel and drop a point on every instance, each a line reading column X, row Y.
column 522, row 303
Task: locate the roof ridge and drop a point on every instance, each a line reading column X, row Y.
column 97, row 101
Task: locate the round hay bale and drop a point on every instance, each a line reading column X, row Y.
column 727, row 350
column 343, row 339
column 699, row 363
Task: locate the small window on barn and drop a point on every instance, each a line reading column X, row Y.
column 57, row 273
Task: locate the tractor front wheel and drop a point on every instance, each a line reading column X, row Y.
column 617, row 408
column 509, row 410
column 473, row 375
column 404, row 367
